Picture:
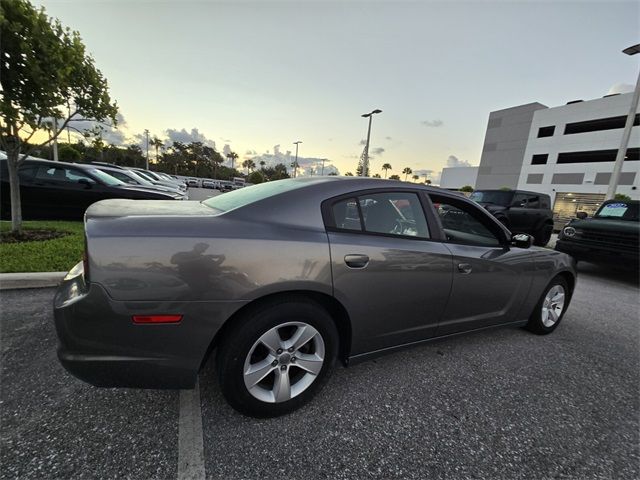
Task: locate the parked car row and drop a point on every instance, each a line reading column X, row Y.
column 63, row 191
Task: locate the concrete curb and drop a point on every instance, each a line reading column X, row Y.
column 13, row 281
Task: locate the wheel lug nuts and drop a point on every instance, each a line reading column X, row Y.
column 283, row 367
column 293, row 359
column 290, row 349
column 279, row 351
column 274, row 363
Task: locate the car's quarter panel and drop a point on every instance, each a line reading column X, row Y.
column 196, row 255
column 399, row 296
column 491, row 292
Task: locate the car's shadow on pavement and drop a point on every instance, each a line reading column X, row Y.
column 630, row 276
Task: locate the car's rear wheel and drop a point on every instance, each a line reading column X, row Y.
column 549, row 311
column 277, row 357
column 543, row 235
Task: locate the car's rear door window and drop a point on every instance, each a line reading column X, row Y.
column 387, row 213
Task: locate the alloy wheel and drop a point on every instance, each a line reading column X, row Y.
column 284, row 362
column 553, row 305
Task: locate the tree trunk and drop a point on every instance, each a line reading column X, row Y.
column 13, row 154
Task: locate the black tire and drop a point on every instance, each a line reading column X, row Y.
column 543, row 235
column 238, row 342
column 535, row 323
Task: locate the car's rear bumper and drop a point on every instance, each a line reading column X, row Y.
column 100, row 344
column 595, row 254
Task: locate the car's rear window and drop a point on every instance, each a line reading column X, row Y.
column 245, row 196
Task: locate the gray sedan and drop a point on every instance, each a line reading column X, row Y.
column 280, row 280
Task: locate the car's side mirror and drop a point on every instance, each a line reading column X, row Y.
column 521, row 240
column 85, row 182
column 581, row 215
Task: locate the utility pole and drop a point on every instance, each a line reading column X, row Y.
column 295, row 163
column 323, row 160
column 624, row 143
column 146, row 132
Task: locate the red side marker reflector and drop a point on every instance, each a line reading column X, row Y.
column 157, row 318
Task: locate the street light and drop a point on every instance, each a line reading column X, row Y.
column 295, row 163
column 54, row 127
column 146, row 132
column 365, row 159
column 323, row 160
column 624, row 143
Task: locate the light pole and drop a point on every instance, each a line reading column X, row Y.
column 624, row 143
column 365, row 159
column 54, row 128
column 146, row 133
column 295, row 163
column 323, row 160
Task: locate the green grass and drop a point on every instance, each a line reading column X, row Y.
column 56, row 255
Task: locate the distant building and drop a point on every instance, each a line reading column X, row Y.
column 568, row 152
column 454, row 178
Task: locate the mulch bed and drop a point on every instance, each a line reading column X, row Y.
column 31, row 236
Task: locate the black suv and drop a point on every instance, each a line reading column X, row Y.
column 611, row 236
column 63, row 191
column 519, row 211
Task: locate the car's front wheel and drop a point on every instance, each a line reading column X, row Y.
column 277, row 357
column 551, row 308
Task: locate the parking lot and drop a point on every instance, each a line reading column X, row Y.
column 498, row 404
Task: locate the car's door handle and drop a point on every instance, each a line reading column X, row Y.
column 356, row 260
column 464, row 268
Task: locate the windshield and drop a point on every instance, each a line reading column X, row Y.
column 247, row 195
column 497, row 197
column 106, row 178
column 619, row 210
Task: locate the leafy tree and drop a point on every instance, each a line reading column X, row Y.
column 467, row 189
column 276, row 173
column 407, row 171
column 376, row 175
column 622, row 197
column 262, row 164
column 386, row 167
column 66, row 153
column 415, row 178
column 332, row 174
column 255, row 177
column 427, row 182
column 394, row 177
column 45, row 73
column 348, row 174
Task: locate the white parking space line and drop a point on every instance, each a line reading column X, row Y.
column 190, row 443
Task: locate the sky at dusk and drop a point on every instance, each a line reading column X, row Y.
column 257, row 76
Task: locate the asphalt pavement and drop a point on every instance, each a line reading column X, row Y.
column 499, row 404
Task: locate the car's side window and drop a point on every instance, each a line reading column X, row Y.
column 346, row 215
column 27, row 173
column 533, row 201
column 61, row 174
column 394, row 213
column 519, row 200
column 462, row 223
column 389, row 213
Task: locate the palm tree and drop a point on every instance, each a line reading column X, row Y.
column 407, row 171
column 385, row 167
column 415, row 178
column 232, row 156
column 156, row 142
column 251, row 165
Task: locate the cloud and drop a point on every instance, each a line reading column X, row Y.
column 454, row 161
column 226, row 150
column 388, row 138
column 183, row 136
column 620, row 88
column 113, row 135
column 276, row 149
column 432, row 123
column 363, row 142
column 377, row 151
